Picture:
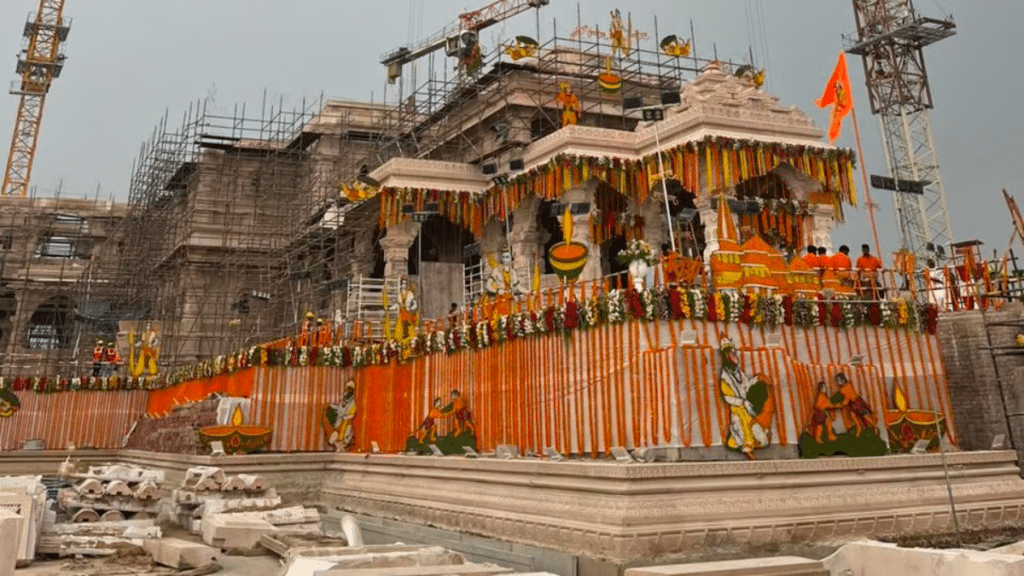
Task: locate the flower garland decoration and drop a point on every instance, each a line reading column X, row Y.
column 614, row 307
column 636, row 250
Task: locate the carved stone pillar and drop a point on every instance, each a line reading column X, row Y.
column 584, row 195
column 396, row 248
column 821, row 225
column 655, row 225
column 527, row 239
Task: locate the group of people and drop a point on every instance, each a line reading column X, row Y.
column 817, row 257
column 105, row 359
column 867, row 266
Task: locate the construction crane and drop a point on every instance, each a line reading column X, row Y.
column 38, row 64
column 890, row 38
column 459, row 37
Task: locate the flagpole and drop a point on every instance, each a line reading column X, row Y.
column 867, row 189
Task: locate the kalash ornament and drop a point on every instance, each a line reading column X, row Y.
column 568, row 258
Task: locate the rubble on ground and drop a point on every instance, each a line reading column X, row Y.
column 25, row 498
column 107, row 510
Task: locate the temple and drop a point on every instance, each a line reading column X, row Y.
column 567, row 253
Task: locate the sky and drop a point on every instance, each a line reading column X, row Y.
column 131, row 61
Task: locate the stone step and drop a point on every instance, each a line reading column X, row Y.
column 778, row 566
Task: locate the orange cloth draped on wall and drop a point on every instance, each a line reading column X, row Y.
column 837, row 94
column 238, row 383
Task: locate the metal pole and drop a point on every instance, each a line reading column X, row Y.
column 949, row 487
column 664, row 187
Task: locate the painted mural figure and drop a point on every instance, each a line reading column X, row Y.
column 428, row 428
column 822, row 416
column 338, row 419
column 503, row 284
column 145, row 352
column 859, row 435
column 408, row 310
column 463, row 416
column 9, row 403
column 856, row 412
column 461, row 434
column 751, row 407
column 569, row 102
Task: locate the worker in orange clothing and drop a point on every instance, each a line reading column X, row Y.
column 841, row 260
column 811, row 258
column 823, row 258
column 98, row 355
column 113, row 358
column 868, row 266
column 867, row 261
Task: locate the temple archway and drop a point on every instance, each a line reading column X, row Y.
column 49, row 327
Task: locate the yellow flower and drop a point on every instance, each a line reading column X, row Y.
column 1020, row 340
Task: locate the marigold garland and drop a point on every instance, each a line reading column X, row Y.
column 612, row 307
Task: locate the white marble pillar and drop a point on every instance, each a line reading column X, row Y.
column 822, row 221
column 396, row 248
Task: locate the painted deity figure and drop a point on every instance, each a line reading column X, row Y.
column 338, row 419
column 408, row 310
column 145, row 351
column 822, row 415
column 428, row 428
column 750, row 403
column 569, row 102
column 463, row 416
column 503, row 284
column 621, row 39
column 856, row 413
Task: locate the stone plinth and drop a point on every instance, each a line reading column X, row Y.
column 779, row 566
column 625, row 512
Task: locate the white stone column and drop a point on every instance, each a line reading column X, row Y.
column 584, row 194
column 527, row 239
column 821, row 225
column 396, row 248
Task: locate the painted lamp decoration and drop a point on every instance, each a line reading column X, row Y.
column 906, row 426
column 568, row 258
column 236, row 437
column 640, row 259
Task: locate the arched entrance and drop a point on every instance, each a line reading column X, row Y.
column 50, row 327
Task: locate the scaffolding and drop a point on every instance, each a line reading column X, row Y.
column 46, row 245
column 235, row 228
column 463, row 117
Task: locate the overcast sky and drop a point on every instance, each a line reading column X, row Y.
column 129, row 61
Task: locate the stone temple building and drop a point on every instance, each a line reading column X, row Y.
column 238, row 225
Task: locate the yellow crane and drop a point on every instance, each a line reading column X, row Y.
column 38, row 64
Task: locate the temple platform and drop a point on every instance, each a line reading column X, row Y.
column 623, row 512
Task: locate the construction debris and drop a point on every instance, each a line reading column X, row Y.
column 108, row 510
column 25, row 496
column 180, row 553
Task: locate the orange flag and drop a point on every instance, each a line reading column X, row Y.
column 837, row 94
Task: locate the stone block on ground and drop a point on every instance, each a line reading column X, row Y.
column 232, row 484
column 90, row 487
column 118, row 488
column 147, row 490
column 85, row 515
column 778, row 566
column 203, row 478
column 112, row 516
column 10, row 531
column 292, row 515
column 870, row 558
column 234, row 531
column 253, row 482
column 180, row 553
